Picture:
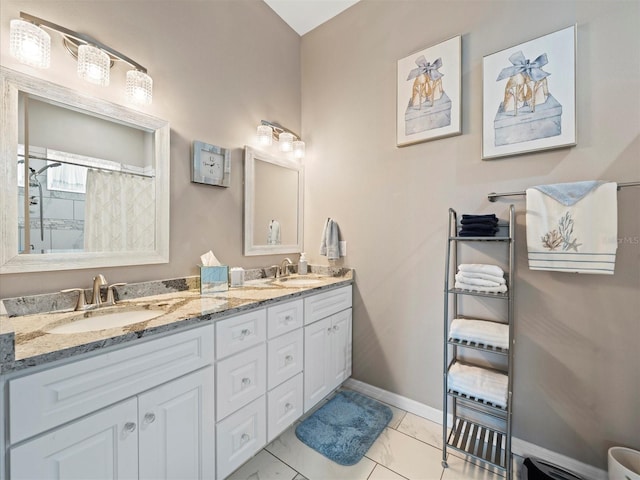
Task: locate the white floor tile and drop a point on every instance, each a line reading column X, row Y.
column 312, row 464
column 460, row 469
column 382, row 473
column 422, row 429
column 407, row 456
column 300, row 477
column 398, row 416
column 263, row 466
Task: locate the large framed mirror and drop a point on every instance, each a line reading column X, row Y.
column 84, row 182
column 273, row 203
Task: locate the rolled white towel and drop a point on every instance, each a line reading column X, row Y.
column 478, row 288
column 478, row 382
column 484, row 276
column 480, row 331
column 481, row 268
column 462, row 277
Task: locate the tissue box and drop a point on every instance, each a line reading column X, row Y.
column 214, row 279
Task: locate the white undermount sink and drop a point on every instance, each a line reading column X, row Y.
column 102, row 321
column 299, row 281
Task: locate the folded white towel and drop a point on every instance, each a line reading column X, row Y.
column 478, row 288
column 580, row 238
column 480, row 331
column 485, row 276
column 462, row 277
column 481, row 268
column 478, row 382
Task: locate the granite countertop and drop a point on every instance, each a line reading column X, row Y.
column 26, row 341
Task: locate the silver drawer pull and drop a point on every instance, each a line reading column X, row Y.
column 129, row 427
column 336, row 328
column 288, row 407
column 149, row 418
column 288, row 359
column 244, row 438
column 329, row 329
column 246, row 381
column 288, row 319
column 245, row 333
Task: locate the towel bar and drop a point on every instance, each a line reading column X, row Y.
column 493, row 196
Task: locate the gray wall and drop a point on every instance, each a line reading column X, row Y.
column 577, row 382
column 219, row 67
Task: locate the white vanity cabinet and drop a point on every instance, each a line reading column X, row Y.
column 327, row 343
column 143, row 411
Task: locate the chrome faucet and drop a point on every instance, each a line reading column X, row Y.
column 275, row 270
column 98, row 281
column 284, row 267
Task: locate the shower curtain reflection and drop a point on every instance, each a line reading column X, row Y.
column 119, row 212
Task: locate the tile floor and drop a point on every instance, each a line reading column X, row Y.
column 409, row 448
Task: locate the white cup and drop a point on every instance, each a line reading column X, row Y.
column 624, row 464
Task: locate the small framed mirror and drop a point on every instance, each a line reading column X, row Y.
column 84, row 182
column 273, row 203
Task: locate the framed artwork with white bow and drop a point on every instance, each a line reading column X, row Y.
column 429, row 93
column 529, row 96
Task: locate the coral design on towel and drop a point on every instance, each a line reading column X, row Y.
column 561, row 236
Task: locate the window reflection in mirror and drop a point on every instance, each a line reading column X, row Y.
column 273, row 203
column 69, row 150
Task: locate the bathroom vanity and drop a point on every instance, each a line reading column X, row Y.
column 192, row 393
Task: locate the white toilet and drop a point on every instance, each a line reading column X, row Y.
column 624, row 464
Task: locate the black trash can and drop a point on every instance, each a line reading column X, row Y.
column 540, row 470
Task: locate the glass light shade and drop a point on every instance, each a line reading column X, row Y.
column 265, row 135
column 30, row 44
column 139, row 87
column 93, row 65
column 286, row 141
column 298, row 149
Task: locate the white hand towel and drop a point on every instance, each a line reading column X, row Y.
column 477, row 382
column 484, row 276
column 330, row 242
column 480, row 331
column 273, row 235
column 462, row 277
column 580, row 238
column 478, row 288
column 480, row 268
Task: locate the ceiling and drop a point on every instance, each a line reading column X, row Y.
column 305, row 15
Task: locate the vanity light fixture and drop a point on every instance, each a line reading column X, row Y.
column 31, row 45
column 287, row 140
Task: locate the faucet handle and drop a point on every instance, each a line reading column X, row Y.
column 111, row 300
column 82, row 302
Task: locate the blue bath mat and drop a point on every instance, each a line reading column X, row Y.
column 345, row 427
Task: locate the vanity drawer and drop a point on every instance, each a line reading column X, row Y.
column 240, row 379
column 285, row 357
column 284, row 318
column 327, row 303
column 240, row 436
column 52, row 397
column 240, row 332
column 284, row 406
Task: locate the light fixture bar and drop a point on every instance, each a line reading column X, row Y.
column 76, row 37
column 278, row 129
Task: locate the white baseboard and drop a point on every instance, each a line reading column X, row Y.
column 519, row 447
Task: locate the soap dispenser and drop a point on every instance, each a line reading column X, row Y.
column 302, row 265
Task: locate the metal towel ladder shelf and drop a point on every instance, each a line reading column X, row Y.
column 480, row 429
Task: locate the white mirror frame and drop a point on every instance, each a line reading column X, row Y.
column 250, row 156
column 12, row 82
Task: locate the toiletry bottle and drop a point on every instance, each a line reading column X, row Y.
column 302, row 265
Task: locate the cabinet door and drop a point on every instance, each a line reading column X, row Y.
column 340, row 348
column 101, row 446
column 177, row 429
column 317, row 366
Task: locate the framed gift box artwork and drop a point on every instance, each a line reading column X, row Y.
column 429, row 93
column 529, row 96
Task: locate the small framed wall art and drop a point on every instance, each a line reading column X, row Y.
column 429, row 93
column 529, row 96
column 211, row 165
